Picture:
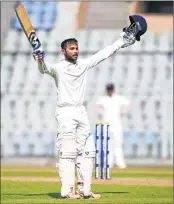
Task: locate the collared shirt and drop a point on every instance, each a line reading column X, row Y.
column 71, row 78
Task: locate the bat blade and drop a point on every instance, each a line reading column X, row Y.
column 24, row 19
column 27, row 26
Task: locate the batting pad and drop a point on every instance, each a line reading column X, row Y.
column 84, row 167
column 66, row 169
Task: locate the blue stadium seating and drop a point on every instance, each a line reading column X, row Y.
column 16, row 24
column 132, row 138
column 149, row 137
column 42, row 15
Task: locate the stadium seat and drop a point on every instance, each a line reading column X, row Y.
column 109, row 36
column 20, row 145
column 36, row 7
column 12, row 41
column 42, row 35
column 95, row 40
column 32, row 78
column 82, row 36
column 35, row 19
column 17, row 80
column 44, row 87
column 118, row 66
column 132, row 72
column 102, row 75
column 16, row 24
column 54, row 44
column 165, row 42
column 36, row 143
column 24, row 45
column 127, row 147
column 47, row 25
column 6, row 72
column 149, row 139
column 161, row 65
column 137, row 47
column 7, row 141
column 44, row 18
column 49, row 6
column 150, row 42
column 49, row 143
column 131, row 141
column 146, row 75
column 29, row 5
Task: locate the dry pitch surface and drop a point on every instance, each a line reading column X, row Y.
column 135, row 185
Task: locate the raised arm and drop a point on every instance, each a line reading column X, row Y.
column 130, row 34
column 104, row 54
column 43, row 66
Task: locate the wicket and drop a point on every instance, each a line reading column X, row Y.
column 102, row 150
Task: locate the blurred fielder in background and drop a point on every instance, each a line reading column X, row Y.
column 111, row 108
column 73, row 128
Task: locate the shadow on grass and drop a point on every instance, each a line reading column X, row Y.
column 54, row 195
column 57, row 195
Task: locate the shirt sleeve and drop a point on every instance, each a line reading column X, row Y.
column 45, row 67
column 104, row 54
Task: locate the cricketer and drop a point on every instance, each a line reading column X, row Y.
column 111, row 108
column 73, row 127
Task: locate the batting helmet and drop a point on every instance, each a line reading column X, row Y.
column 142, row 22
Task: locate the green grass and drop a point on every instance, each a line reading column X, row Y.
column 14, row 192
column 40, row 174
column 138, row 172
column 120, row 175
column 47, row 192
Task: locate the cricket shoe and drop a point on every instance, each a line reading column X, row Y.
column 91, row 195
column 71, row 196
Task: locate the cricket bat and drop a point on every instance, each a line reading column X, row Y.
column 27, row 27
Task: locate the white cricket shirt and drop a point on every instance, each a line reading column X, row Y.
column 112, row 106
column 71, row 78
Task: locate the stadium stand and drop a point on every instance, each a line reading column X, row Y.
column 43, row 19
column 143, row 72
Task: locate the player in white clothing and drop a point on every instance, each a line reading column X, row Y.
column 73, row 129
column 111, row 108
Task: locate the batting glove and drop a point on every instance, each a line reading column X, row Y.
column 128, row 39
column 129, row 34
column 38, row 54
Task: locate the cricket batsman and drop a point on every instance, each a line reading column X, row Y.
column 73, row 129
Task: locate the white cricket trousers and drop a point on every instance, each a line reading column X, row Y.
column 117, row 152
column 72, row 131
